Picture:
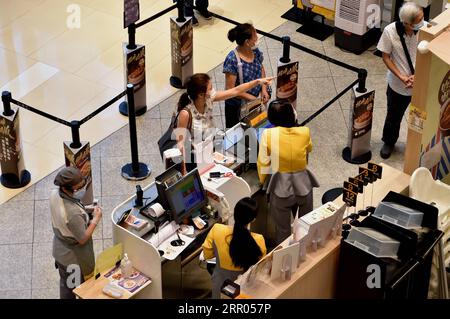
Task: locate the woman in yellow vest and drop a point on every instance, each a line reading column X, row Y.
column 236, row 249
column 282, row 167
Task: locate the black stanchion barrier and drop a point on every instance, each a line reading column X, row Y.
column 75, row 127
column 134, row 171
column 181, row 34
column 286, row 50
column 13, row 172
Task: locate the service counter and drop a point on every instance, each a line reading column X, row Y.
column 316, row 276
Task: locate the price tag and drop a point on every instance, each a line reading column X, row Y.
column 349, row 197
column 377, row 170
column 358, row 182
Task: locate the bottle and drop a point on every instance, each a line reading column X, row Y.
column 126, row 267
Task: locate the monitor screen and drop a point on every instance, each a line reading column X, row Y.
column 261, row 126
column 186, row 196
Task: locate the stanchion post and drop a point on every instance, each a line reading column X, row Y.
column 362, row 77
column 6, row 99
column 135, row 170
column 75, row 127
column 180, row 7
column 286, row 50
column 132, row 124
column 132, row 37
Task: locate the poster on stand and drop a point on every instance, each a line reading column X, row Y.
column 81, row 159
column 11, row 156
column 435, row 148
column 361, row 115
column 130, row 13
column 287, row 82
column 135, row 74
column 182, row 37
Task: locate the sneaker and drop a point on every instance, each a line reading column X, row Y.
column 386, row 151
column 194, row 21
column 205, row 14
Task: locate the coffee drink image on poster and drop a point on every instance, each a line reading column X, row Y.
column 136, row 68
column 82, row 160
column 444, row 101
column 287, row 82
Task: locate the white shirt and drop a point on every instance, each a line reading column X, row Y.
column 203, row 124
column 390, row 43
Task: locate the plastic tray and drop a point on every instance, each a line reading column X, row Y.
column 373, row 242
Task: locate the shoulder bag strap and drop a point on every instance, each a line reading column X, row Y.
column 401, row 31
column 239, row 64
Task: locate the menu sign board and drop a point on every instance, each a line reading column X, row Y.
column 136, row 67
column 130, row 12
column 11, row 158
column 81, row 159
column 182, row 37
column 361, row 115
column 287, row 82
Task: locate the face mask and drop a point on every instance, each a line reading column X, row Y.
column 417, row 27
column 256, row 45
column 211, row 94
column 79, row 194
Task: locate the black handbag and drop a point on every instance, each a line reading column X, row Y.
column 166, row 141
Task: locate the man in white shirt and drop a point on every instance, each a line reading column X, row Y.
column 400, row 73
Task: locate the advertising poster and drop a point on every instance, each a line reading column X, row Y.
column 136, row 68
column 81, row 159
column 130, row 12
column 361, row 116
column 182, row 37
column 11, row 157
column 287, row 82
column 435, row 148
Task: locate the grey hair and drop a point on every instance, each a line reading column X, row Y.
column 409, row 11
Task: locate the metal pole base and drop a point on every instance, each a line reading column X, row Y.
column 129, row 174
column 123, row 109
column 11, row 180
column 347, row 156
column 176, row 82
column 331, row 194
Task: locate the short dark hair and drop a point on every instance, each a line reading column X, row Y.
column 195, row 85
column 281, row 113
column 240, row 33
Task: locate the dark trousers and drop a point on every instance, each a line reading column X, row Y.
column 281, row 210
column 232, row 112
column 396, row 107
column 189, row 4
column 64, row 291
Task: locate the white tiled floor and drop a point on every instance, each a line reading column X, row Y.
column 70, row 72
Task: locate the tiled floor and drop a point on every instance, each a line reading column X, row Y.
column 69, row 72
column 25, row 246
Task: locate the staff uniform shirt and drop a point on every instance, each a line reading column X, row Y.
column 220, row 235
column 390, row 44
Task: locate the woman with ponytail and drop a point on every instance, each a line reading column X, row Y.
column 195, row 109
column 236, row 249
column 242, row 65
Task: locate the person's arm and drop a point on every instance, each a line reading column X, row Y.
column 393, row 68
column 208, row 248
column 264, row 92
column 181, row 132
column 264, row 162
column 228, row 94
column 230, row 81
column 77, row 226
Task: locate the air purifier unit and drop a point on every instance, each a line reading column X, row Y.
column 357, row 24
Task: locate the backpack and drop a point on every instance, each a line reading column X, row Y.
column 166, row 142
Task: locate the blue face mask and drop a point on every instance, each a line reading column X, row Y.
column 417, row 27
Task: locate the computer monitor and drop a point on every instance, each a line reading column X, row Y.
column 186, row 196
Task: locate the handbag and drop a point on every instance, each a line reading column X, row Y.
column 166, row 141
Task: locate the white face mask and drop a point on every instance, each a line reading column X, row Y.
column 296, row 115
column 212, row 94
column 256, row 45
